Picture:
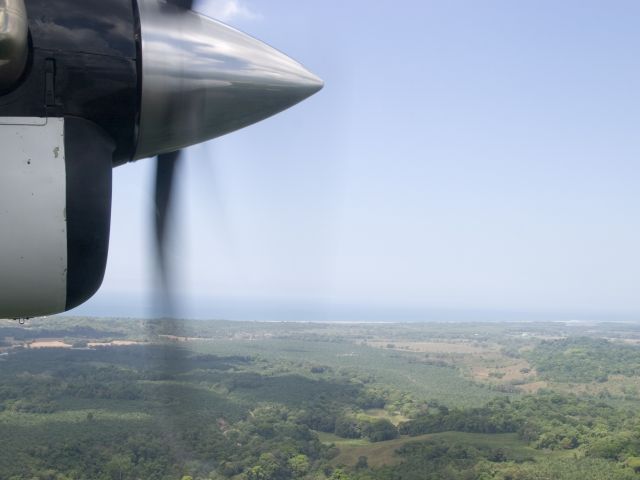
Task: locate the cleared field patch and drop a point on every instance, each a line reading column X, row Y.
column 384, row 453
column 433, row 347
column 533, row 387
column 481, row 362
column 376, row 413
column 331, row 438
column 505, row 371
column 48, row 344
column 114, row 343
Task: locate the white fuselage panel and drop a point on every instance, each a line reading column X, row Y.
column 33, row 233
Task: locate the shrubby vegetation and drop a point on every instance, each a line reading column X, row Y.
column 584, row 359
column 279, row 403
column 546, row 421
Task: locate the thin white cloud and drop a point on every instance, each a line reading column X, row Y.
column 226, row 10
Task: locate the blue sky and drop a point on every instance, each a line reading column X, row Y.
column 463, row 156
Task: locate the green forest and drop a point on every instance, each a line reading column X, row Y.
column 105, row 399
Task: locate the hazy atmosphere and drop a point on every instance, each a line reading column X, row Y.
column 476, row 157
column 428, row 270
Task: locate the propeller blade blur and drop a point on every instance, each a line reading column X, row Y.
column 164, row 186
column 188, row 4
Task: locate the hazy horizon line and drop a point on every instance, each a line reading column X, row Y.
column 272, row 310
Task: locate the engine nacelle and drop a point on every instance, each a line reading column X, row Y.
column 93, row 84
column 55, row 201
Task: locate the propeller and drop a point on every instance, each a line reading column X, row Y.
column 248, row 82
column 170, row 360
column 196, row 88
column 186, row 4
column 166, row 164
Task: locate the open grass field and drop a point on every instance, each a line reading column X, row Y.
column 401, row 370
column 384, row 453
column 378, row 413
column 482, row 362
column 463, row 347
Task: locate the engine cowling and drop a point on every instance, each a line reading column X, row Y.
column 55, row 202
column 94, row 84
